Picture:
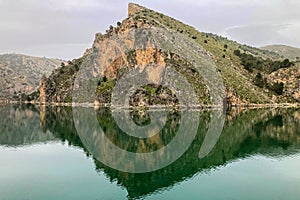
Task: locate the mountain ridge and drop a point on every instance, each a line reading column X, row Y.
column 290, row 52
column 20, row 74
column 245, row 70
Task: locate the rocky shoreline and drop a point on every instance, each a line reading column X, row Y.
column 155, row 107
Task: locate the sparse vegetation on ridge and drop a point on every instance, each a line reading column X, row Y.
column 245, row 70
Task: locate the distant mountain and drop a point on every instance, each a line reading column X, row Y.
column 21, row 74
column 289, row 52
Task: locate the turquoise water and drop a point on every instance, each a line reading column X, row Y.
column 42, row 156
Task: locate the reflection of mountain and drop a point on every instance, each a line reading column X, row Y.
column 20, row 125
column 266, row 132
column 254, row 132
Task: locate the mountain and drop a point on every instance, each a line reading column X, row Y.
column 20, row 73
column 289, row 52
column 151, row 45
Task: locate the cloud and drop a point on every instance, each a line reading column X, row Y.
column 28, row 25
column 34, row 26
column 256, row 34
column 78, row 4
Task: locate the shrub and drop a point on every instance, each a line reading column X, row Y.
column 237, row 52
column 258, row 80
column 277, row 88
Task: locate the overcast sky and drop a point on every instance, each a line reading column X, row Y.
column 65, row 28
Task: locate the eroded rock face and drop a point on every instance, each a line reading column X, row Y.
column 290, row 78
column 233, row 99
column 42, row 88
column 134, row 8
column 125, row 48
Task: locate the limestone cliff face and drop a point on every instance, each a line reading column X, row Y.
column 233, row 99
column 42, row 88
column 134, row 8
column 111, row 60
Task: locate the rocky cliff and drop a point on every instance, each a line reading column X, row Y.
column 124, row 48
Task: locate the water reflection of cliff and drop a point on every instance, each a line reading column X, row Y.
column 267, row 132
column 20, row 125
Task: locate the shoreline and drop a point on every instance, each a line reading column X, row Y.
column 155, row 107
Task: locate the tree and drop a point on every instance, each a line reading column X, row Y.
column 225, row 46
column 277, row 87
column 258, row 80
column 285, row 63
column 237, row 52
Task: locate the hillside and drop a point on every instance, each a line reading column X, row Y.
column 289, row 52
column 245, row 70
column 20, row 73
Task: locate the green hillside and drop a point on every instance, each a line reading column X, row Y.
column 289, row 52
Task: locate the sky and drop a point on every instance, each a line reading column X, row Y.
column 66, row 28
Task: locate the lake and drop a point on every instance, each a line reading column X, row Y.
column 60, row 153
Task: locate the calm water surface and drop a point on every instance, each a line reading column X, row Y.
column 42, row 156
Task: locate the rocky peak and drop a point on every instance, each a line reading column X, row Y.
column 134, row 8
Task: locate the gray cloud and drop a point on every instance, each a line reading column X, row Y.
column 65, row 28
column 259, row 34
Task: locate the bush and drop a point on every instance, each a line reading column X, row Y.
column 251, row 62
column 258, row 80
column 237, row 52
column 277, row 88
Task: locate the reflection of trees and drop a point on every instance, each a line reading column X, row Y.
column 268, row 132
column 133, row 144
column 19, row 125
column 239, row 139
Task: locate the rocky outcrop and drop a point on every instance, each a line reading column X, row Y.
column 111, row 60
column 232, row 99
column 134, row 8
column 290, row 78
column 42, row 88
